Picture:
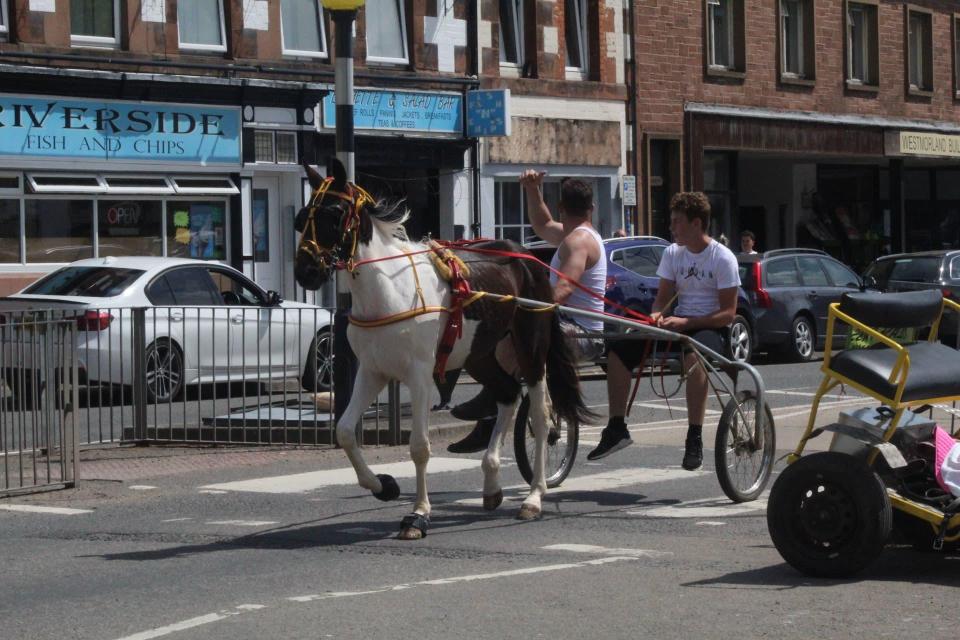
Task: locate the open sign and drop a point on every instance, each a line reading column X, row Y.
column 124, row 214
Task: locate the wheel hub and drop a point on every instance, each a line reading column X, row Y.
column 827, row 515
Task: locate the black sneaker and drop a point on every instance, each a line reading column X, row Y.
column 693, row 455
column 483, row 405
column 611, row 441
column 476, row 440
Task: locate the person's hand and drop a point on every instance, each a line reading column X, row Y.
column 656, row 317
column 674, row 323
column 532, row 178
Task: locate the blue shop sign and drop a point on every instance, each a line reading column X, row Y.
column 118, row 131
column 400, row 111
column 488, row 113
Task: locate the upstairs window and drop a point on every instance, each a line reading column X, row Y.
column 919, row 50
column 200, row 23
column 862, row 45
column 386, row 32
column 725, row 36
column 956, row 55
column 4, row 21
column 92, row 22
column 797, row 45
column 511, row 32
column 575, row 32
column 301, row 28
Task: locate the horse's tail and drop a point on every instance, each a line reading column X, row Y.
column 562, row 380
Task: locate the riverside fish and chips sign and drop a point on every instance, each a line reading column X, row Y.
column 139, row 132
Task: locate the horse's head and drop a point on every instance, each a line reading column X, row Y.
column 329, row 225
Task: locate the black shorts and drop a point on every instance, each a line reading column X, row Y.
column 630, row 350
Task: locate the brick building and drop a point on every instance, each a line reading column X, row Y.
column 174, row 127
column 828, row 123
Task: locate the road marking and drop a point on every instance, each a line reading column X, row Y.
column 177, row 520
column 243, row 523
column 705, row 508
column 709, row 523
column 590, row 548
column 211, row 492
column 191, row 623
column 611, row 479
column 303, row 482
column 467, row 578
column 32, row 508
column 141, row 487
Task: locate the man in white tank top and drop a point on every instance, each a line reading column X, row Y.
column 580, row 258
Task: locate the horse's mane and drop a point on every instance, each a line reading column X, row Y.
column 390, row 214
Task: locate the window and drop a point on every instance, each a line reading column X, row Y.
column 263, row 146
column 956, row 55
column 919, row 51
column 129, row 228
column 4, row 20
column 94, row 22
column 576, row 34
column 782, row 273
column 511, row 32
column 58, row 230
column 641, row 260
column 200, row 23
column 511, row 218
column 797, row 46
column 862, row 47
column 841, row 275
column 386, row 31
column 191, row 286
column 275, row 146
column 9, row 230
column 724, row 36
column 261, row 225
column 234, row 291
column 94, row 282
column 812, row 274
column 301, row 28
column 196, row 230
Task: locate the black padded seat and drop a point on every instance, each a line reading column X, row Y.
column 934, row 370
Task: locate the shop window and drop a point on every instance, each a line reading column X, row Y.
column 129, row 228
column 58, row 183
column 386, row 35
column 58, row 230
column 196, row 230
column 725, row 37
column 863, row 70
column 576, row 34
column 917, row 184
column 153, row 185
column 200, row 25
column 797, row 45
column 204, row 185
column 948, row 184
column 301, row 26
column 9, row 184
column 4, row 21
column 94, row 22
column 9, row 230
column 260, row 211
column 919, row 51
column 511, row 32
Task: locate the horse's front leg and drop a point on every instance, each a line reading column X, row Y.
column 492, row 492
column 531, row 507
column 414, row 526
column 365, row 389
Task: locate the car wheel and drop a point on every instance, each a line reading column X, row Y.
column 164, row 370
column 802, row 339
column 741, row 341
column 318, row 370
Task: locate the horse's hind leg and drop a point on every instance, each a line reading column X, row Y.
column 365, row 389
column 532, row 507
column 492, row 492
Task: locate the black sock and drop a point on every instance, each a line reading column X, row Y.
column 695, row 431
column 617, row 423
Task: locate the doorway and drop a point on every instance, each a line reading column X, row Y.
column 265, row 226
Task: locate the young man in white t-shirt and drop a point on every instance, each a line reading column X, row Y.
column 704, row 276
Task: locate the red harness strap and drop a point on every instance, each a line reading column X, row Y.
column 459, row 291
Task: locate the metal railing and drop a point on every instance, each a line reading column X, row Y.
column 38, row 417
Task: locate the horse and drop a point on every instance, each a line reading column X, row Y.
column 400, row 304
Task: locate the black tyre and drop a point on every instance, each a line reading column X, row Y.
column 164, row 364
column 741, row 340
column 318, row 370
column 802, row 341
column 743, row 462
column 829, row 515
column 25, row 388
column 562, row 442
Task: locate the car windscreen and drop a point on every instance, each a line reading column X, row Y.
column 916, row 269
column 94, row 282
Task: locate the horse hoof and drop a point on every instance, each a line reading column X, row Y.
column 492, row 502
column 413, row 527
column 528, row 512
column 389, row 489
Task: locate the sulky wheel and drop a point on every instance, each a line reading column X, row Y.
column 829, row 515
column 561, row 446
column 743, row 462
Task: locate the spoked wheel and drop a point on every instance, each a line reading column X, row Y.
column 164, row 364
column 743, row 462
column 562, row 441
column 829, row 515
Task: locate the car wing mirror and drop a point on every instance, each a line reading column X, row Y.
column 273, row 299
column 868, row 282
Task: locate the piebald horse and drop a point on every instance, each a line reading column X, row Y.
column 396, row 326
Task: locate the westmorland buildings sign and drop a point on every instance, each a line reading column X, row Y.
column 118, row 131
column 916, row 143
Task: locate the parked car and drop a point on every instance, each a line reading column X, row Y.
column 916, row 271
column 787, row 294
column 204, row 322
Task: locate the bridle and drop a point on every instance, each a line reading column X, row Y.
column 349, row 229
